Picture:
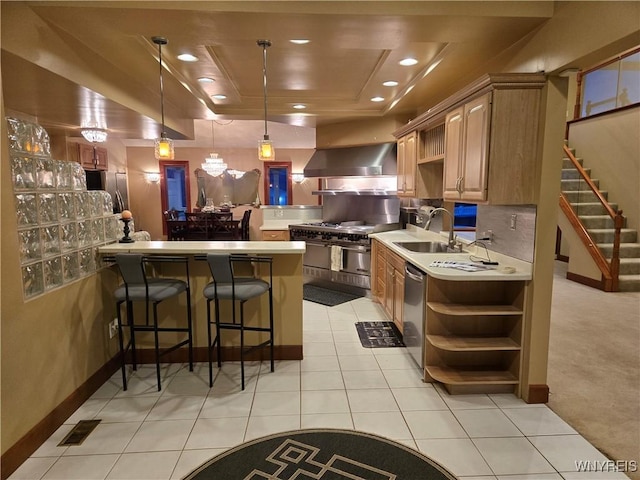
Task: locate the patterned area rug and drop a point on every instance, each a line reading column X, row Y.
column 379, row 334
column 324, row 296
column 321, row 454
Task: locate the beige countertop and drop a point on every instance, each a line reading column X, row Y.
column 201, row 247
column 523, row 270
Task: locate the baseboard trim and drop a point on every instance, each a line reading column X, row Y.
column 589, row 282
column 562, row 258
column 538, row 394
column 29, row 443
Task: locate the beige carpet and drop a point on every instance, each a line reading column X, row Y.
column 594, row 365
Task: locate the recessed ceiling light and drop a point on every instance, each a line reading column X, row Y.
column 219, row 96
column 187, row 57
column 407, row 62
column 300, row 41
column 377, row 99
column 206, row 80
column 390, row 83
column 299, row 106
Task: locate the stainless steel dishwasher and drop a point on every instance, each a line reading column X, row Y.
column 415, row 290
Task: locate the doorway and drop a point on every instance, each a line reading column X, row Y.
column 277, row 183
column 174, row 188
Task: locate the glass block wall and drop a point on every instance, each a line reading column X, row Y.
column 60, row 223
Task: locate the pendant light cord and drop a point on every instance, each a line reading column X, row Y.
column 161, row 41
column 264, row 44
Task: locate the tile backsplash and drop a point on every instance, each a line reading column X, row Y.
column 512, row 229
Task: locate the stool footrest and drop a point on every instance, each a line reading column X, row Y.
column 237, row 326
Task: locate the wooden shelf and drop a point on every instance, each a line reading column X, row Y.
column 436, row 158
column 467, row 376
column 466, row 310
column 472, row 344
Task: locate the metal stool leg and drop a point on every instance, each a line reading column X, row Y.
column 271, row 348
column 123, row 365
column 190, row 329
column 134, row 361
column 157, row 342
column 209, row 344
column 242, row 342
column 218, row 338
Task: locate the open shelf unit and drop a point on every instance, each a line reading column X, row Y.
column 473, row 335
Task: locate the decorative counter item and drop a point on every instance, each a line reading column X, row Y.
column 126, row 216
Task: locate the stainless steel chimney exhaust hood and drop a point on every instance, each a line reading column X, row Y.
column 360, row 161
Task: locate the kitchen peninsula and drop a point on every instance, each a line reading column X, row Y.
column 287, row 288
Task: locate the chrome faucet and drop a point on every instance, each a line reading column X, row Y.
column 453, row 244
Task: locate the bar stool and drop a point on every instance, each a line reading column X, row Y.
column 227, row 286
column 139, row 287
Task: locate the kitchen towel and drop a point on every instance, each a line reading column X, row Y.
column 336, row 258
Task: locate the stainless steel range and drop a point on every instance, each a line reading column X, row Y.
column 338, row 254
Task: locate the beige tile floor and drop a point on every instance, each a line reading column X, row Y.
column 145, row 434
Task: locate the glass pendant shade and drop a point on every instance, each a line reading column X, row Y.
column 266, row 151
column 164, row 148
column 213, row 165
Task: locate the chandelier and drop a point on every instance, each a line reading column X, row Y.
column 265, row 147
column 94, row 135
column 214, row 165
column 163, row 145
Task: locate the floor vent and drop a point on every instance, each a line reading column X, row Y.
column 79, row 433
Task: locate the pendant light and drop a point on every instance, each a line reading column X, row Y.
column 163, row 145
column 214, row 165
column 265, row 148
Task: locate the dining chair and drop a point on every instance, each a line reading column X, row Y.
column 224, row 229
column 226, row 285
column 244, row 225
column 198, row 226
column 138, row 286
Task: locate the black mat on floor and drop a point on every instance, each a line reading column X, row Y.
column 327, row 297
column 379, row 334
column 327, row 454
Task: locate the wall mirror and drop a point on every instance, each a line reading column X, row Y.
column 241, row 190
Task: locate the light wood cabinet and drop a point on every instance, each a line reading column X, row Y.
column 275, row 235
column 491, row 142
column 473, row 335
column 466, row 142
column 91, row 157
column 378, row 269
column 388, row 282
column 406, row 154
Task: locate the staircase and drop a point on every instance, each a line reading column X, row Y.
column 599, row 224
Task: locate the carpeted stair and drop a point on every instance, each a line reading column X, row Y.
column 600, row 226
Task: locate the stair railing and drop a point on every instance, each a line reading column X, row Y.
column 610, row 270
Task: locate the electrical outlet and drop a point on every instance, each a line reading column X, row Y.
column 113, row 328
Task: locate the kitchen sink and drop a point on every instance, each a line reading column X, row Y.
column 424, row 247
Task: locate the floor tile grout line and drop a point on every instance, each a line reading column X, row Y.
column 388, row 387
